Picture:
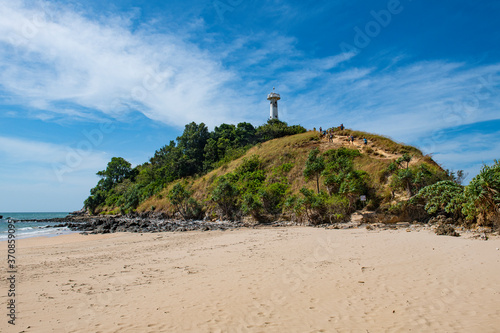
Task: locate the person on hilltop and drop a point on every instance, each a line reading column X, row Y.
column 330, row 137
column 341, row 127
column 352, row 139
column 365, row 141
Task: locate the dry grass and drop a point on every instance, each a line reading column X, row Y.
column 273, row 153
column 374, row 167
column 295, row 149
column 383, row 142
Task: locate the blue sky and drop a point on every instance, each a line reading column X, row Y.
column 83, row 81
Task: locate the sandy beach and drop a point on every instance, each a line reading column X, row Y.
column 257, row 280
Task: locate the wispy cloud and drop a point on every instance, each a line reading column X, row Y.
column 42, row 175
column 15, row 152
column 407, row 101
column 61, row 63
column 54, row 55
column 469, row 151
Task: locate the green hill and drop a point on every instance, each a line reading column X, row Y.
column 270, row 173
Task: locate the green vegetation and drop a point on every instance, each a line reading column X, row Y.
column 181, row 198
column 445, row 195
column 277, row 171
column 317, row 208
column 478, row 202
column 412, row 179
column 248, row 191
column 340, row 176
column 314, row 166
column 116, row 172
column 196, row 152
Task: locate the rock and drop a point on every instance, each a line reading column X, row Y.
column 80, row 212
column 447, row 230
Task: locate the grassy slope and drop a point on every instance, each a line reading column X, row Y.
column 375, row 158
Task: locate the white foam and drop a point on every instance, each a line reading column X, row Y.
column 38, row 232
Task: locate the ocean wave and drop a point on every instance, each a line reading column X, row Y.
column 26, row 228
column 38, row 232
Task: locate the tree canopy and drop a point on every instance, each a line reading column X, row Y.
column 195, row 152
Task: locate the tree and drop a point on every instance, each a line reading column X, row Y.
column 405, row 158
column 483, row 194
column 458, row 177
column 317, row 208
column 353, row 185
column 276, row 129
column 314, row 166
column 220, row 141
column 273, row 196
column 117, row 170
column 339, row 169
column 192, row 145
column 93, row 201
column 245, row 134
column 166, row 163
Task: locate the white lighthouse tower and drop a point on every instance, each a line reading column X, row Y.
column 274, row 97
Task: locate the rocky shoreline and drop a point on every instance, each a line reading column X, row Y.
column 111, row 224
column 152, row 223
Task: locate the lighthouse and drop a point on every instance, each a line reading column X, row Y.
column 273, row 98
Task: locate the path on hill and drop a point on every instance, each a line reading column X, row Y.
column 343, row 141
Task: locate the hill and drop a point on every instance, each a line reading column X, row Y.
column 270, row 176
column 280, row 172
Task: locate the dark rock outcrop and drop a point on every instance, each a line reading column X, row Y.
column 447, row 230
column 111, row 224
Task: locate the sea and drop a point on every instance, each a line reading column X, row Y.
column 31, row 229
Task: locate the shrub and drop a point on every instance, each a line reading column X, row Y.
column 251, row 204
column 225, row 197
column 317, row 208
column 273, row 197
column 483, row 195
column 445, row 196
column 477, row 202
column 181, row 198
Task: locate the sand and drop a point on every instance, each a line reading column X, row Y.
column 257, row 280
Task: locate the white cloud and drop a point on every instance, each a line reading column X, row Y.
column 21, row 151
column 409, row 102
column 35, row 162
column 61, row 63
column 468, row 151
column 55, row 57
column 44, row 176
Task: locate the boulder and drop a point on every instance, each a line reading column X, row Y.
column 447, row 230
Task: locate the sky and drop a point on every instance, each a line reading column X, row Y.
column 84, row 81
